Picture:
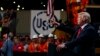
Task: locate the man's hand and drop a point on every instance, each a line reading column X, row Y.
column 60, row 46
column 54, row 22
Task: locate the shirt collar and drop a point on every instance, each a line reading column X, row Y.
column 84, row 25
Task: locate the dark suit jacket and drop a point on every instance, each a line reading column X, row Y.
column 66, row 28
column 84, row 44
column 52, row 50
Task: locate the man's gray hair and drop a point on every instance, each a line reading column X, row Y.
column 86, row 16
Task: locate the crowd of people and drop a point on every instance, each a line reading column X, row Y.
column 18, row 44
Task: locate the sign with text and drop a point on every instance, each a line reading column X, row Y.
column 40, row 22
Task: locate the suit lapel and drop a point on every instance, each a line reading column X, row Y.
column 84, row 29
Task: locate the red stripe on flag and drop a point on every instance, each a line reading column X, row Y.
column 50, row 8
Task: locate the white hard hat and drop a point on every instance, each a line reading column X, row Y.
column 55, row 36
column 41, row 35
column 50, row 35
column 34, row 36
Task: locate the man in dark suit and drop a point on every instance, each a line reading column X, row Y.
column 51, row 46
column 83, row 41
column 7, row 48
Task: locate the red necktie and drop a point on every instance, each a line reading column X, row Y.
column 79, row 31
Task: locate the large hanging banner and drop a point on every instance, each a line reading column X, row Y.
column 40, row 22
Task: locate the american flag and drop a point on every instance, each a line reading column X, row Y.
column 50, row 8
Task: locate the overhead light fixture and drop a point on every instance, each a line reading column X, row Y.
column 1, row 8
column 43, row 5
column 17, row 9
column 14, row 2
column 22, row 8
column 18, row 6
column 41, row 2
column 62, row 9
